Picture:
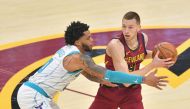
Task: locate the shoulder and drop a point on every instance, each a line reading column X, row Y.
column 77, row 62
column 77, row 59
column 114, row 47
column 72, row 62
column 114, row 43
column 145, row 37
column 72, row 58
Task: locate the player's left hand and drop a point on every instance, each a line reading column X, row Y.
column 107, row 83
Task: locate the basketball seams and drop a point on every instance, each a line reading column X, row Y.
column 171, row 52
column 166, row 50
column 161, row 52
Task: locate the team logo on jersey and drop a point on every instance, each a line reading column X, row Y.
column 131, row 67
column 135, row 59
column 39, row 106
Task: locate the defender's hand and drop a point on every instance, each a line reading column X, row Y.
column 155, row 81
column 107, row 83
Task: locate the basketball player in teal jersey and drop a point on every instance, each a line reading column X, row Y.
column 125, row 53
column 66, row 64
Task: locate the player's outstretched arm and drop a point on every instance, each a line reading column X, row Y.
column 98, row 80
column 89, row 66
column 84, row 62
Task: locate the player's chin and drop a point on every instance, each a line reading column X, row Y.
column 88, row 49
column 127, row 37
column 91, row 49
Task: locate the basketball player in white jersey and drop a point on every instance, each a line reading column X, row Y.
column 67, row 63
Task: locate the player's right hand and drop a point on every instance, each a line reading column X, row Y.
column 157, row 62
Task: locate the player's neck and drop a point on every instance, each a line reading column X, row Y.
column 81, row 50
column 132, row 43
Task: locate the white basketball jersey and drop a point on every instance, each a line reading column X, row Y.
column 53, row 77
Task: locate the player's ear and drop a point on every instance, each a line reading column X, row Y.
column 77, row 43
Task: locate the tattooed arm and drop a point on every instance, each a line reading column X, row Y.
column 79, row 61
column 91, row 71
column 91, row 78
column 95, row 79
column 90, row 67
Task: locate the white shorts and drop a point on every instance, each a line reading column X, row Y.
column 29, row 98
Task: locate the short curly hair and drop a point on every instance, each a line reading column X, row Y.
column 74, row 31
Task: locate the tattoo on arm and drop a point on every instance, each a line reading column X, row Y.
column 91, row 68
column 91, row 77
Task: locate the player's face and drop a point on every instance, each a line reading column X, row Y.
column 130, row 28
column 86, row 41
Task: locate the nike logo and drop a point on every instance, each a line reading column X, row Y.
column 106, row 78
column 136, row 81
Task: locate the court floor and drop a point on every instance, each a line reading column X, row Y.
column 25, row 22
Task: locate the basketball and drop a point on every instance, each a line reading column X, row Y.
column 167, row 50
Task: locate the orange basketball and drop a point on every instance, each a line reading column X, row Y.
column 167, row 50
